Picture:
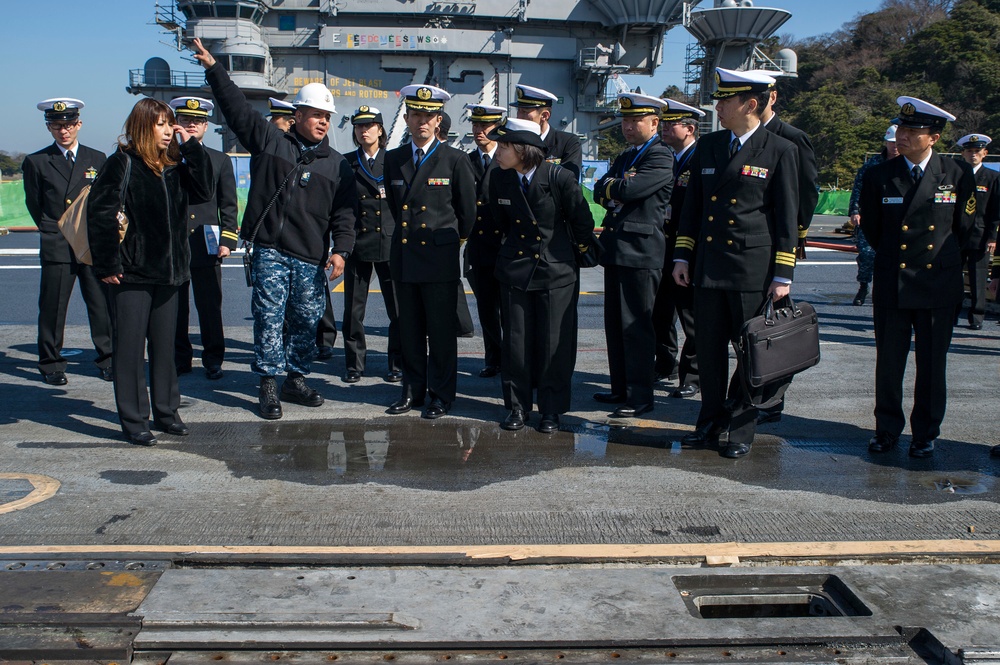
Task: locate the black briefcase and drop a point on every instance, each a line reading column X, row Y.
column 778, row 342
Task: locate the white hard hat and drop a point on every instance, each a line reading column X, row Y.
column 315, row 95
column 890, row 134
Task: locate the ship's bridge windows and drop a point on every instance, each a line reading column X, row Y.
column 251, row 10
column 242, row 63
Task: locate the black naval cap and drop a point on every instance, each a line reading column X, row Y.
column 515, row 130
column 61, row 108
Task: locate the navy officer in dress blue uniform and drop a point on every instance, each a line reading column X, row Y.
column 635, row 191
column 432, row 194
column 281, row 114
column 545, row 221
column 739, row 230
column 484, row 242
column 918, row 212
column 679, row 131
column 213, row 233
column 371, row 248
column 53, row 178
column 977, row 254
column 564, row 148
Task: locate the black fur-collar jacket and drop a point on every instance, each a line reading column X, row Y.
column 155, row 249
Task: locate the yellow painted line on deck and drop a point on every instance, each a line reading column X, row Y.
column 731, row 551
column 44, row 488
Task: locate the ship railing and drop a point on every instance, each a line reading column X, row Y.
column 139, row 78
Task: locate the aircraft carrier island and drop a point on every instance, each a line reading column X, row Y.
column 364, row 51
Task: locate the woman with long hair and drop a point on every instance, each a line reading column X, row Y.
column 150, row 180
column 545, row 222
column 373, row 231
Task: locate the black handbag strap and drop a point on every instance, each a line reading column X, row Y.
column 124, row 188
column 306, row 158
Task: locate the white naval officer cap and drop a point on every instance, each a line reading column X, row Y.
column 194, row 106
column 533, row 98
column 918, row 114
column 485, row 112
column 675, row 110
column 60, row 108
column 974, row 141
column 730, row 82
column 631, row 104
column 428, row 98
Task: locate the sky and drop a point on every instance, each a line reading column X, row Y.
column 90, row 59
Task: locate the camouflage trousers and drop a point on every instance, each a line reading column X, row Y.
column 866, row 257
column 285, row 289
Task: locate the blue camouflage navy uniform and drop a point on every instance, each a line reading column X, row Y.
column 866, row 255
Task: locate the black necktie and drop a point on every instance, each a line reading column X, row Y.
column 524, row 182
column 419, row 155
column 734, row 147
column 916, row 172
column 70, row 159
column 371, row 163
column 486, row 161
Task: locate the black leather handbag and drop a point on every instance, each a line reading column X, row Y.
column 778, row 342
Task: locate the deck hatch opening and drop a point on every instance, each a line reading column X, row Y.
column 768, row 596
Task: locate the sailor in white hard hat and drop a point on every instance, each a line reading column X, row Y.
column 53, row 178
column 564, row 148
column 302, row 196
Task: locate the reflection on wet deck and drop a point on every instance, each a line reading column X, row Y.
column 458, row 456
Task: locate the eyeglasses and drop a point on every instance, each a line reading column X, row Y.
column 62, row 126
column 190, row 120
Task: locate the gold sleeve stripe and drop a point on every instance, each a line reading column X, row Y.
column 607, row 188
column 996, row 261
column 803, row 233
column 684, row 242
column 780, row 262
column 230, row 234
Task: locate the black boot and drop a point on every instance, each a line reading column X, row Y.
column 862, row 294
column 270, row 407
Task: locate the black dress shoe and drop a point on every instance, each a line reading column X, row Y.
column 394, row 376
column 862, row 295
column 352, row 376
column 736, row 450
column 107, row 374
column 549, row 423
column 435, row 409
column 269, row 406
column 921, row 449
column 142, row 439
column 765, row 417
column 294, row 389
column 629, row 411
column 685, row 390
column 324, row 353
column 514, row 420
column 975, row 326
column 882, row 442
column 665, row 376
column 175, row 429
column 213, row 373
column 703, row 435
column 403, row 405
column 489, row 371
column 56, row 378
column 995, row 451
column 183, row 369
column 609, row 398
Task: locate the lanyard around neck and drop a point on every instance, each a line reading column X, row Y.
column 362, row 160
column 638, row 154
